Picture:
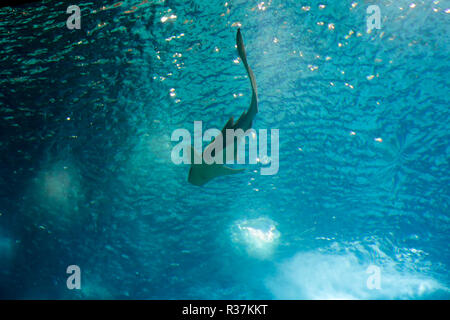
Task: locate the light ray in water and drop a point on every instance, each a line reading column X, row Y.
column 258, row 236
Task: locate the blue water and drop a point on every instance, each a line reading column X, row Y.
column 87, row 178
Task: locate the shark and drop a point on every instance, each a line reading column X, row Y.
column 200, row 174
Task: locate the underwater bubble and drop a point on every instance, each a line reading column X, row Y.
column 265, row 160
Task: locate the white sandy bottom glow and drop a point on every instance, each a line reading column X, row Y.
column 312, row 275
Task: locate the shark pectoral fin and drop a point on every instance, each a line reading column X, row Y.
column 222, row 170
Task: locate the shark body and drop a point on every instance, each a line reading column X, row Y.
column 199, row 174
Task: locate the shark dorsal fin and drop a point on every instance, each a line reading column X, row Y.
column 228, row 125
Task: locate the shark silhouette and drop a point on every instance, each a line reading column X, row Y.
column 199, row 174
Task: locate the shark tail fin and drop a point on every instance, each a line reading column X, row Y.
column 241, row 50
